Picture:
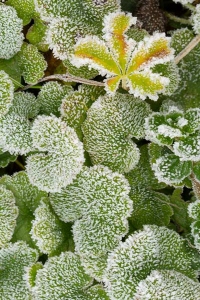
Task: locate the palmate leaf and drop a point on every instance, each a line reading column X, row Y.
column 123, row 60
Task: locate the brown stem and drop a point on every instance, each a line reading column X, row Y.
column 196, row 186
column 65, row 78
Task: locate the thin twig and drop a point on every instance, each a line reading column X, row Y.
column 177, row 19
column 65, row 78
column 187, row 49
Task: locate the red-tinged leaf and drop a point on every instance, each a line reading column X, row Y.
column 112, row 84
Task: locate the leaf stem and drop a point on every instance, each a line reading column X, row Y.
column 177, row 19
column 19, row 164
column 196, row 186
column 194, row 42
column 65, row 78
column 190, row 7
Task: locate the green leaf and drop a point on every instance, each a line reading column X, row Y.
column 98, row 201
column 11, row 67
column 170, row 169
column 83, row 71
column 14, row 258
column 36, row 35
column 149, row 207
column 50, row 97
column 180, row 207
column 61, row 157
column 27, row 200
column 167, row 285
column 75, row 105
column 110, row 124
column 62, row 277
column 25, row 9
column 153, row 248
column 31, row 72
column 6, row 93
column 6, row 158
column 188, row 147
column 47, row 230
column 196, row 170
column 11, row 37
column 8, row 215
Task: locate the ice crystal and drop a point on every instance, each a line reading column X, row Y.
column 110, row 124
column 8, row 215
column 61, row 157
column 122, row 59
column 153, row 248
column 11, row 37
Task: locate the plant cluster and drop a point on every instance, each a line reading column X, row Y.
column 99, row 152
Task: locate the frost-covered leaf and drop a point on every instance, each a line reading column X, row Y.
column 110, row 124
column 121, row 59
column 36, row 35
column 30, row 274
column 15, row 136
column 193, row 117
column 32, row 63
column 188, row 147
column 196, row 19
column 142, row 174
column 50, row 97
column 8, row 215
column 27, row 200
column 75, row 105
column 194, row 213
column 11, row 37
column 100, row 197
column 6, row 92
column 153, row 248
column 25, row 9
column 62, row 277
column 196, row 170
column 11, row 67
column 48, row 231
column 170, row 169
column 97, row 292
column 183, row 1
column 13, row 260
column 168, row 285
column 150, row 207
column 188, row 92
column 61, row 156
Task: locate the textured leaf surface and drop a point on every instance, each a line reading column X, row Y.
column 13, row 259
column 145, row 251
column 6, row 93
column 110, row 124
column 25, row 9
column 62, row 277
column 64, row 159
column 8, row 215
column 11, row 37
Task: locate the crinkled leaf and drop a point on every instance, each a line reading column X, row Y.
column 61, row 277
column 50, row 97
column 31, row 72
column 8, row 215
column 6, row 158
column 48, row 231
column 108, row 128
column 168, row 285
column 64, row 155
column 25, row 9
column 147, row 250
column 196, row 170
column 83, row 71
column 6, row 93
column 11, row 37
column 37, row 33
column 188, row 147
column 14, row 258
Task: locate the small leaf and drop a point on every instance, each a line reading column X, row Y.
column 6, row 158
column 170, row 169
column 25, row 9
column 196, row 170
column 37, row 33
column 188, row 147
